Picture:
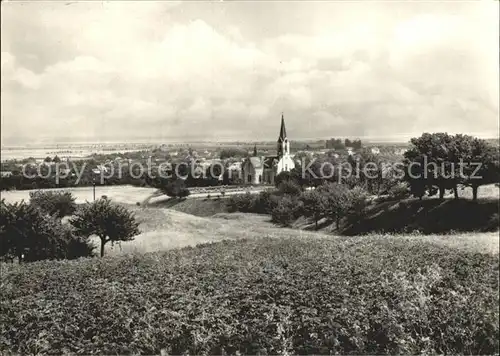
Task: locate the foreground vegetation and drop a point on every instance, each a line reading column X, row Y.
column 345, row 295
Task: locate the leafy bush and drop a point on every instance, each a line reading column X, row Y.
column 378, row 295
column 245, row 203
column 314, row 204
column 60, row 204
column 27, row 233
column 289, row 187
column 263, row 203
column 399, row 191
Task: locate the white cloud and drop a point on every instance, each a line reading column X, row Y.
column 128, row 68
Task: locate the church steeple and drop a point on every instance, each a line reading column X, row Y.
column 282, row 136
column 283, row 146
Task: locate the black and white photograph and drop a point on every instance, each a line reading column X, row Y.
column 258, row 177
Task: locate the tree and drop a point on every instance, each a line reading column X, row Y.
column 30, row 235
column 56, row 159
column 314, row 205
column 47, row 159
column 108, row 221
column 233, row 152
column 334, row 143
column 287, row 209
column 175, row 188
column 366, row 171
column 337, row 200
column 356, row 202
column 59, row 204
column 435, row 158
column 289, row 187
column 481, row 166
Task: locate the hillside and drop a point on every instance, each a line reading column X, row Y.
column 195, row 206
column 164, row 229
column 427, row 216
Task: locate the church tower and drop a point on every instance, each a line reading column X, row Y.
column 283, row 146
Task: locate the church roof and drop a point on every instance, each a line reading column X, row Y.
column 282, row 136
column 269, row 161
column 256, row 162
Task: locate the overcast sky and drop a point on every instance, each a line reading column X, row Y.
column 226, row 70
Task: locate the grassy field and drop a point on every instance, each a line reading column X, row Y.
column 121, row 194
column 199, row 207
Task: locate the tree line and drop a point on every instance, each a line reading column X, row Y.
column 339, row 144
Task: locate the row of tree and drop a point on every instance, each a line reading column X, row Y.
column 339, row 144
column 434, row 164
column 289, row 201
column 439, row 162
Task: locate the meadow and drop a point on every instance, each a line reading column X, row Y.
column 125, row 194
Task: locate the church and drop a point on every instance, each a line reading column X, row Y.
column 263, row 170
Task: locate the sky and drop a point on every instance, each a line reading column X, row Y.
column 133, row 71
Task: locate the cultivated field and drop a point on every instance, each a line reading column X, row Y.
column 259, row 295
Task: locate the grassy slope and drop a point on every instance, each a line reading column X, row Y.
column 164, row 229
column 199, row 207
column 428, row 216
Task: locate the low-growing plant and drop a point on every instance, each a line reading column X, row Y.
column 29, row 234
column 372, row 295
column 399, row 190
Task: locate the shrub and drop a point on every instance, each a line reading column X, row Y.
column 60, row 204
column 399, row 191
column 244, row 203
column 267, row 201
column 31, row 235
column 289, row 187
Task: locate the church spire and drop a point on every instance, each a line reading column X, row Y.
column 283, row 145
column 282, row 136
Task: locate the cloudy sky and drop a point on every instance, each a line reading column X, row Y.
column 125, row 71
